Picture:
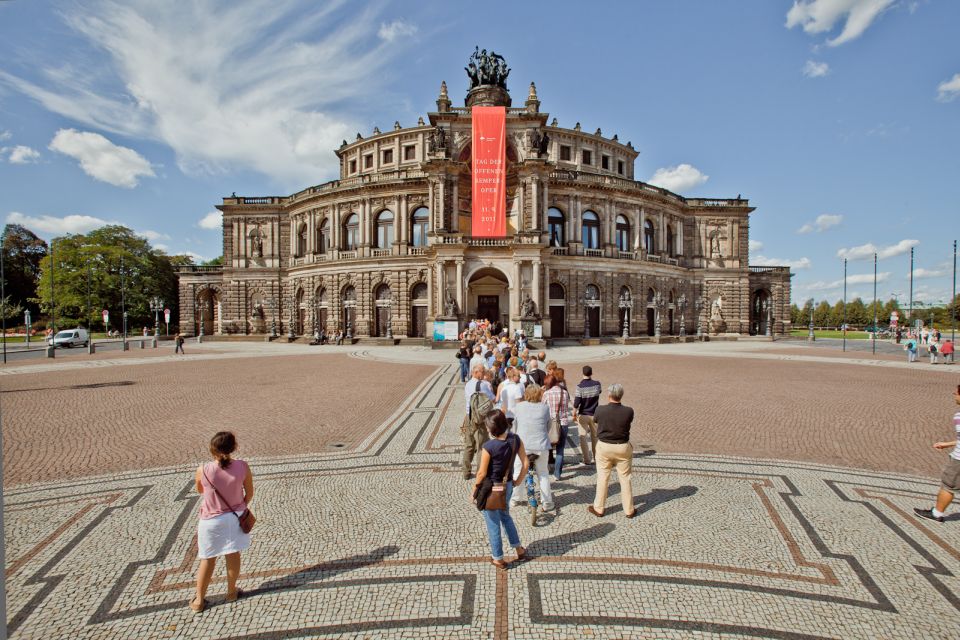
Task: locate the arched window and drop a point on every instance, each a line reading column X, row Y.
column 419, row 291
column 383, row 292
column 302, row 239
column 651, row 296
column 555, row 224
column 673, row 296
column 593, row 293
column 557, row 292
column 351, row 232
column 648, row 237
column 323, row 236
column 322, row 300
column 591, row 230
column 349, row 294
column 385, row 229
column 623, row 234
column 418, row 227
column 671, row 249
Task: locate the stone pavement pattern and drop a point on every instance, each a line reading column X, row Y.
column 381, row 541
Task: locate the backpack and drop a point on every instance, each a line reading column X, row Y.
column 480, row 406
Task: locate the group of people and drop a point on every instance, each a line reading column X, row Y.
column 513, row 409
column 321, row 336
column 933, row 342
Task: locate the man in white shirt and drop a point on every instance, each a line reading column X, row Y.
column 510, row 393
column 950, row 478
column 477, row 358
column 473, row 435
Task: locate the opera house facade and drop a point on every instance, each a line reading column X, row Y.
column 398, row 246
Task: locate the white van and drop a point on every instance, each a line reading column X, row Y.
column 70, row 338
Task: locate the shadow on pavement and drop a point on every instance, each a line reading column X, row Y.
column 325, row 571
column 566, row 542
column 94, row 385
column 649, row 501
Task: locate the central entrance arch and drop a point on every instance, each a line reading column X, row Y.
column 488, row 296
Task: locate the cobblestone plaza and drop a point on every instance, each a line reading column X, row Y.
column 776, row 502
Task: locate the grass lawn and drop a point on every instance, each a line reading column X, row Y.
column 831, row 333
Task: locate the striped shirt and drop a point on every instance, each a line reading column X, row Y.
column 587, row 397
column 557, row 399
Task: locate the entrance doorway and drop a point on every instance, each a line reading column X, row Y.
column 488, row 296
column 488, row 308
column 651, row 321
column 418, row 311
column 594, row 315
column 558, row 321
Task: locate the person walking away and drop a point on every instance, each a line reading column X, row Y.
column 178, row 344
column 478, row 397
column 496, row 465
column 950, row 478
column 531, row 423
column 509, row 393
column 226, row 488
column 911, row 348
column 557, row 400
column 614, row 449
column 477, row 358
column 947, row 350
column 463, row 356
column 536, row 374
column 586, row 400
column 933, row 348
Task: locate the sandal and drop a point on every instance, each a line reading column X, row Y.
column 236, row 596
column 198, row 608
column 499, row 564
column 522, row 554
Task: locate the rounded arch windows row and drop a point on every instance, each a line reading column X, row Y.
column 383, row 236
column 590, row 232
column 349, row 294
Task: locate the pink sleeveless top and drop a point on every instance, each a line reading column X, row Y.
column 229, row 483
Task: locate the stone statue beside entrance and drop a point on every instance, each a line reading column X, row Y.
column 717, row 323
column 528, row 308
column 450, row 305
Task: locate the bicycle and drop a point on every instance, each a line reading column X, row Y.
column 532, row 482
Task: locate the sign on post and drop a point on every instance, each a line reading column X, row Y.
column 166, row 316
column 106, row 317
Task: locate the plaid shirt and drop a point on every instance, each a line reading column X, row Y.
column 558, row 400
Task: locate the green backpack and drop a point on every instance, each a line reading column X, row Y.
column 480, row 406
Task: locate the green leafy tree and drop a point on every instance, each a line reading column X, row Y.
column 216, row 262
column 9, row 310
column 795, row 314
column 821, row 315
column 857, row 314
column 102, row 270
column 22, row 253
column 836, row 314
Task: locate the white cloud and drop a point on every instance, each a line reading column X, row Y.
column 928, row 273
column 213, row 220
column 54, row 226
column 815, row 69
column 763, row 261
column 101, row 159
column 5, row 135
column 257, row 85
column 822, row 223
column 866, row 251
column 948, row 90
column 678, row 178
column 860, row 278
column 396, row 29
column 23, row 155
column 153, row 236
column 820, row 16
column 756, row 245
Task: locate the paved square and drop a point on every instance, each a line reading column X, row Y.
column 778, row 506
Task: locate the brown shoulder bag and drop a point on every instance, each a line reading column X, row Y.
column 247, row 520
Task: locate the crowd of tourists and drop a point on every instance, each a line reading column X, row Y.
column 519, row 407
column 930, row 339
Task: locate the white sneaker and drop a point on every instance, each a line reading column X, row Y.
column 548, row 506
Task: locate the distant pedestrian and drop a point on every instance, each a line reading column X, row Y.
column 947, row 349
column 934, row 349
column 950, row 478
column 146, row 332
column 178, row 344
column 911, row 349
column 463, row 356
column 614, row 449
column 496, row 466
column 226, row 486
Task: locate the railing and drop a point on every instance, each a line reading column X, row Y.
column 452, row 239
column 416, row 251
column 714, row 202
column 297, row 261
column 652, row 257
column 348, row 255
column 569, row 175
column 269, row 200
column 769, row 269
column 380, row 253
column 199, row 268
column 356, row 181
column 489, row 242
column 320, row 257
column 561, row 251
column 593, row 253
column 674, row 261
column 626, row 255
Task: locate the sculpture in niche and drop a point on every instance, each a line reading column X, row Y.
column 715, row 237
column 450, row 305
column 528, row 308
column 539, row 142
column 438, row 139
column 717, row 323
column 256, row 241
column 625, row 299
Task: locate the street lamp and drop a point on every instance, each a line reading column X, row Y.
column 156, row 305
column 698, row 305
column 811, row 336
column 290, row 332
column 26, row 321
column 390, row 316
column 273, row 319
column 682, row 303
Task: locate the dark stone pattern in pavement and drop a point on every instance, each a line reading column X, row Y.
column 96, row 420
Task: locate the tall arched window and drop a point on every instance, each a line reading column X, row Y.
column 623, row 234
column 671, row 249
column 351, row 232
column 323, row 236
column 302, row 239
column 418, row 227
column 591, row 230
column 555, row 225
column 649, row 244
column 557, row 292
column 385, row 229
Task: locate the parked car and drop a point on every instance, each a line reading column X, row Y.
column 70, row 338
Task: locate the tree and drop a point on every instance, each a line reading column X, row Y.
column 216, row 262
column 821, row 315
column 795, row 315
column 22, row 253
column 857, row 313
column 114, row 265
column 8, row 309
column 836, row 315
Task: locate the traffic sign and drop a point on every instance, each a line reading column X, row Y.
column 166, row 316
column 106, row 316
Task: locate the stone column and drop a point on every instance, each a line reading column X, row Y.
column 662, row 233
column 641, row 226
column 455, row 215
column 459, row 290
column 335, row 227
column 404, row 215
column 397, row 223
column 516, row 290
column 522, row 193
column 679, row 237
column 535, row 286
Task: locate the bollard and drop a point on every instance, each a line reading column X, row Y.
column 50, row 352
column 154, row 342
column 126, row 346
column 91, row 348
column 142, row 346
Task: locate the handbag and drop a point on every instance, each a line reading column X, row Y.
column 247, row 520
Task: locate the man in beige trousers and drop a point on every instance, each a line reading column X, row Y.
column 614, row 450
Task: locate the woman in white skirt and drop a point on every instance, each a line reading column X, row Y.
column 218, row 532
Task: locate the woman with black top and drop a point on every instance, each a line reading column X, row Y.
column 496, row 461
column 464, row 355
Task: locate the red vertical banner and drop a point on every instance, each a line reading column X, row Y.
column 489, row 215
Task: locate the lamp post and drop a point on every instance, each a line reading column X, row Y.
column 26, row 322
column 682, row 303
column 390, row 316
column 698, row 305
column 156, row 305
column 201, row 321
column 811, row 336
column 626, row 303
column 291, row 334
column 657, row 307
column 273, row 318
column 769, row 331
column 123, row 303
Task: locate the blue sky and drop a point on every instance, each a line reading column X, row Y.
column 837, row 118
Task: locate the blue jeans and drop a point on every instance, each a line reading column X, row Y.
column 497, row 519
column 464, row 369
column 558, row 457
